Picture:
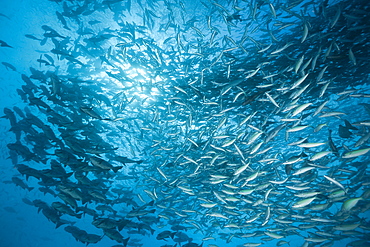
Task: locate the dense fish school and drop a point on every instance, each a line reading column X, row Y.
column 198, row 123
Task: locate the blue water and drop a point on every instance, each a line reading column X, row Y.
column 21, row 223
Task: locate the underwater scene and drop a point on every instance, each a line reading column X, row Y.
column 184, row 123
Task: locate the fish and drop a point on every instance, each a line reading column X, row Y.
column 335, row 182
column 62, row 208
column 9, row 66
column 349, row 125
column 62, row 20
column 352, row 57
column 310, row 144
column 30, row 36
column 344, row 132
column 82, row 236
column 299, row 81
column 350, row 203
column 10, row 210
column 4, row 44
column 356, row 153
column 303, row 203
column 165, row 234
column 362, row 140
column 332, row 146
column 98, row 162
column 3, row 15
column 193, row 123
column 320, row 155
column 19, row 182
column 300, row 108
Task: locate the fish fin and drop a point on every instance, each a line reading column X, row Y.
column 116, row 168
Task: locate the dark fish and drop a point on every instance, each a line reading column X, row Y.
column 51, row 60
column 115, row 235
column 124, row 160
column 30, row 36
column 53, row 216
column 344, row 132
column 47, row 190
column 23, row 151
column 1, row 14
column 10, row 210
column 64, row 209
column 105, row 165
column 19, row 111
column 178, row 228
column 349, row 126
column 288, row 169
column 94, row 22
column 9, row 66
column 332, row 146
column 182, row 237
column 191, row 244
column 165, row 234
column 106, row 223
column 39, row 204
column 42, row 61
column 9, row 114
column 62, row 20
column 82, row 236
column 27, row 201
column 108, row 2
column 89, row 111
column 4, row 44
column 254, row 96
column 19, row 182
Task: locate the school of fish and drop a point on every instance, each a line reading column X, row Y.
column 199, row 122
